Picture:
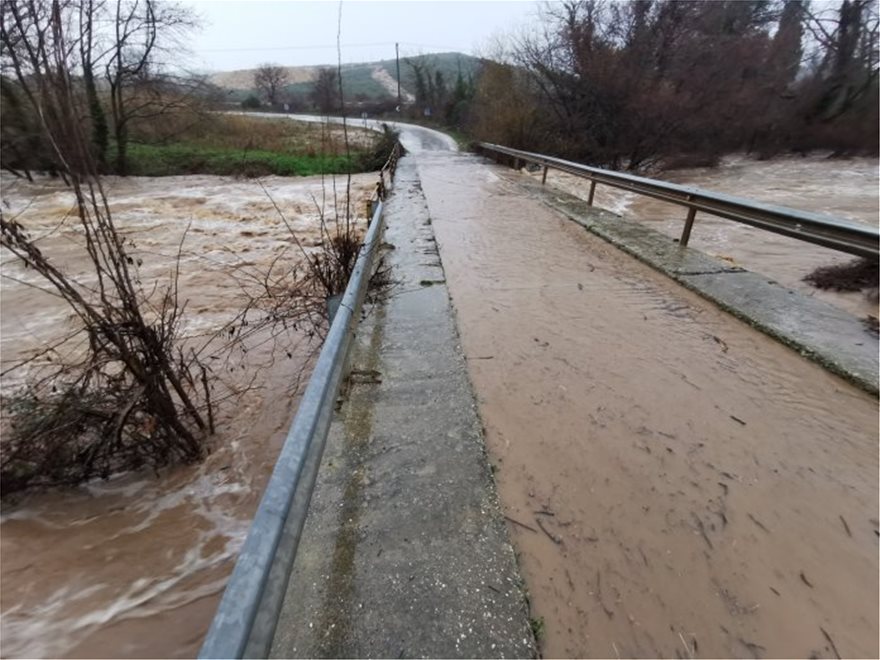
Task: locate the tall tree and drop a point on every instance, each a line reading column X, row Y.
column 141, row 30
column 849, row 67
column 787, row 49
column 88, row 11
column 325, row 94
column 269, row 80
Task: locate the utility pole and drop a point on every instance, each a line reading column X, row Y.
column 397, row 56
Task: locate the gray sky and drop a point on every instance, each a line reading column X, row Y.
column 238, row 34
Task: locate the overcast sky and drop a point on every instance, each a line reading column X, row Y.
column 239, row 34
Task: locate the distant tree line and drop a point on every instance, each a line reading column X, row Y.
column 272, row 91
column 446, row 102
column 634, row 84
column 435, row 98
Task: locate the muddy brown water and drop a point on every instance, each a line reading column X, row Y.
column 842, row 188
column 134, row 567
column 682, row 485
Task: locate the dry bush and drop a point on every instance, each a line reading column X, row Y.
column 630, row 84
column 131, row 393
column 857, row 275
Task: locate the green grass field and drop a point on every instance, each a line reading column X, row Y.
column 250, row 146
column 166, row 160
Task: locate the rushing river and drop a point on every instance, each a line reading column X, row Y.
column 135, row 566
column 846, row 189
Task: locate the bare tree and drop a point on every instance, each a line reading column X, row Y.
column 123, row 41
column 269, row 80
column 635, row 84
column 849, row 37
column 130, row 396
column 87, row 11
column 142, row 29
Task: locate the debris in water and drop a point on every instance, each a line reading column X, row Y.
column 721, row 343
column 687, row 646
column 703, row 533
column 737, row 419
column 830, row 641
column 805, row 580
column 852, row 276
column 608, row 613
column 758, row 523
column 556, row 539
column 517, row 522
column 846, row 527
column 754, row 649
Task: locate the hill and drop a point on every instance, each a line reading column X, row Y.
column 375, row 81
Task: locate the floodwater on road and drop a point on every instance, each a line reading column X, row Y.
column 682, row 484
column 134, row 567
column 841, row 188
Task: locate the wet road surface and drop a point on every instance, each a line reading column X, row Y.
column 681, row 484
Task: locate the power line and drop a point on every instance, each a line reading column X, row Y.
column 322, row 47
column 253, row 48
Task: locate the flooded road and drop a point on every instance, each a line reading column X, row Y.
column 678, row 484
column 842, row 188
column 682, row 484
column 134, row 567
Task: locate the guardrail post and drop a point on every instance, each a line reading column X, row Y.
column 688, row 224
column 544, row 176
column 592, row 192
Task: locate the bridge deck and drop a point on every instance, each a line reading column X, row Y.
column 681, row 484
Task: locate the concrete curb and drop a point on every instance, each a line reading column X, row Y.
column 821, row 332
column 406, row 552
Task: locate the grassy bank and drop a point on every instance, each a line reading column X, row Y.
column 167, row 160
column 237, row 145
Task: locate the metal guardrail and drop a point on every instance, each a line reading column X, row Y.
column 814, row 228
column 244, row 624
